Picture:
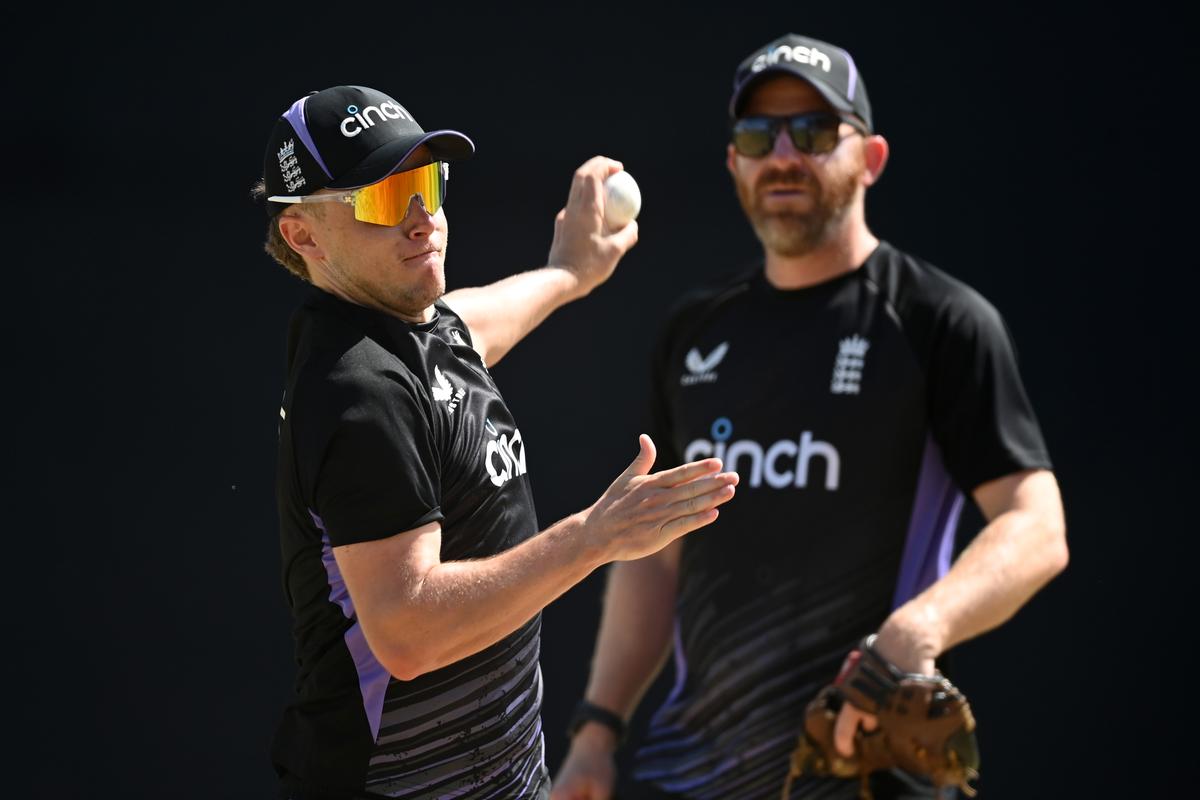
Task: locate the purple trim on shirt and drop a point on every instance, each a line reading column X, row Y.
column 414, row 720
column 295, row 117
column 534, row 773
column 680, row 667
column 372, row 677
column 479, row 780
column 477, row 777
column 853, row 79
column 678, row 744
column 930, row 542
column 685, row 784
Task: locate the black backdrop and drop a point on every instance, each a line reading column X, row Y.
column 1035, row 155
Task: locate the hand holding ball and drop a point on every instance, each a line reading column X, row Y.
column 622, row 200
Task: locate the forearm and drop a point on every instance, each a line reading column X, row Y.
column 502, row 313
column 419, row 613
column 635, row 630
column 1013, row 557
column 457, row 608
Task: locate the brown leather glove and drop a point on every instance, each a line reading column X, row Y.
column 925, row 726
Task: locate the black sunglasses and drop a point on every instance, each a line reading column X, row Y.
column 814, row 133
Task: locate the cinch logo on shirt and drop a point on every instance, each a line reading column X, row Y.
column 504, row 457
column 765, row 462
column 799, row 54
column 383, row 111
column 700, row 368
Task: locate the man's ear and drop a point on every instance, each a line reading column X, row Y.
column 875, row 153
column 298, row 231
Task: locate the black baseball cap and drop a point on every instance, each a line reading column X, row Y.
column 829, row 69
column 346, row 137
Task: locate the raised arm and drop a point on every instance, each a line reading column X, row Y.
column 582, row 256
column 420, row 613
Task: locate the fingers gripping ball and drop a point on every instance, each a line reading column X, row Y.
column 622, row 200
column 925, row 726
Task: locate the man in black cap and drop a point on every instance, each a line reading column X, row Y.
column 861, row 394
column 412, row 563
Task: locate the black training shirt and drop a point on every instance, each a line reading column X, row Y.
column 387, row 426
column 857, row 413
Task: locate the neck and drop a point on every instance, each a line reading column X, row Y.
column 843, row 251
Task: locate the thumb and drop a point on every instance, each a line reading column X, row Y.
column 645, row 457
column 844, row 729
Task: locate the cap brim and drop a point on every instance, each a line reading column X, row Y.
column 444, row 145
column 822, row 88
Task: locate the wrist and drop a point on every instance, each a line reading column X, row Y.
column 911, row 638
column 594, row 736
column 595, row 548
column 575, row 287
column 595, row 725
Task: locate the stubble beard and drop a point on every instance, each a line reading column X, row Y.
column 796, row 233
column 412, row 300
column 407, row 301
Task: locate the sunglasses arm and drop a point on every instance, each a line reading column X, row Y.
column 314, row 198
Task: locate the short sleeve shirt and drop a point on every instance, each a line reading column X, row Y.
column 857, row 413
column 387, row 426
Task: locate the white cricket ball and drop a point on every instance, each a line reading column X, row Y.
column 622, row 200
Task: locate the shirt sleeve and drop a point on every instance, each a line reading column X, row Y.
column 379, row 475
column 980, row 414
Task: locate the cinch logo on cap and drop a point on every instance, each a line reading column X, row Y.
column 386, row 110
column 800, row 54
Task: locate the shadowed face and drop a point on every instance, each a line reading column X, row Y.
column 795, row 200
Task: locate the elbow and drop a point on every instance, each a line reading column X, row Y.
column 404, row 656
column 405, row 663
column 1056, row 553
column 407, row 671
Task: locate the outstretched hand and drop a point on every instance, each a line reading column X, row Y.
column 641, row 513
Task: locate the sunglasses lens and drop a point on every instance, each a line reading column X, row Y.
column 752, row 137
column 386, row 202
column 815, row 134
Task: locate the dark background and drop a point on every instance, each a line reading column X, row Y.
column 1036, row 154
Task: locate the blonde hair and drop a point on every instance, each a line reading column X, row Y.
column 275, row 245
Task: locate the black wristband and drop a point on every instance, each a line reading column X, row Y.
column 587, row 712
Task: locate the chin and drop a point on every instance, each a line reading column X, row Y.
column 787, row 238
column 433, row 288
